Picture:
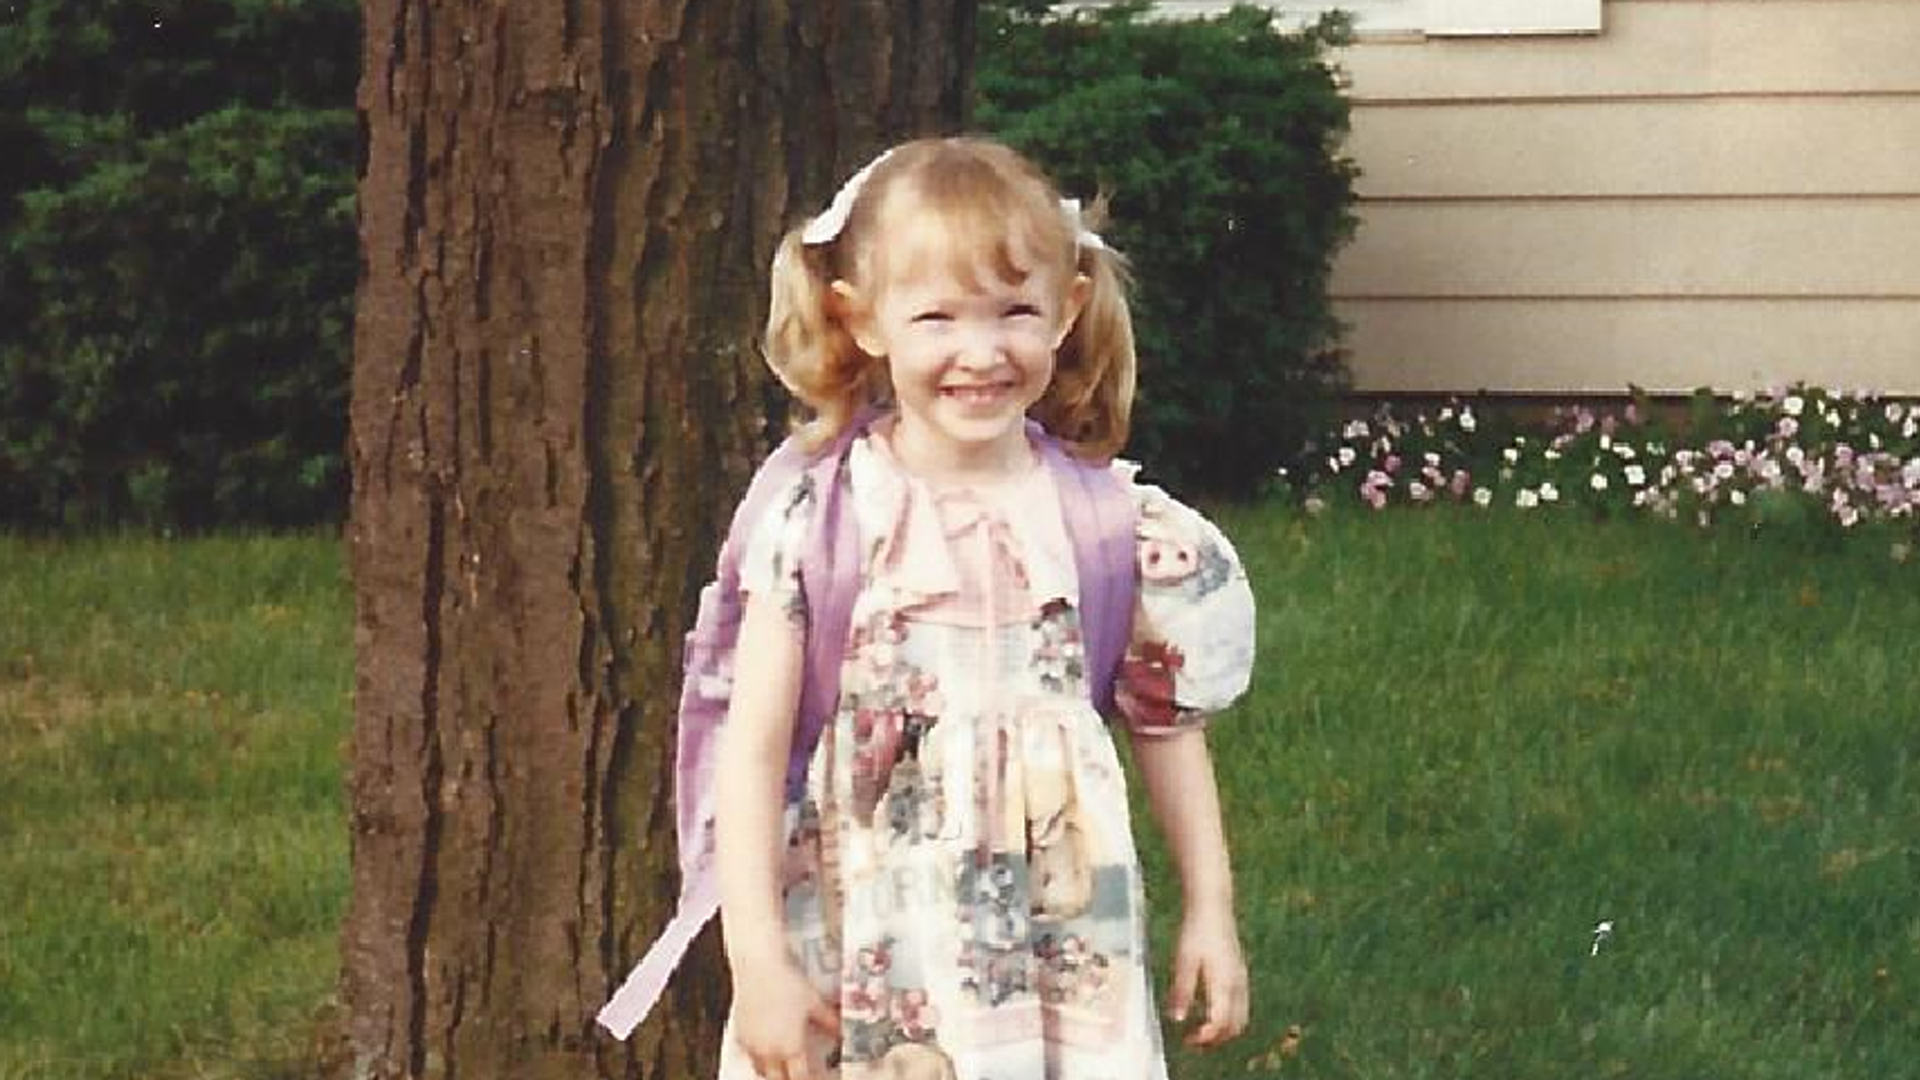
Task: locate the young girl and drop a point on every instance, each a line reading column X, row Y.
column 955, row 894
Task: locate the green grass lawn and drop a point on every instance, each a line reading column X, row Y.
column 172, row 844
column 1472, row 738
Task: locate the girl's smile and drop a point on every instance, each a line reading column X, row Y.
column 983, row 394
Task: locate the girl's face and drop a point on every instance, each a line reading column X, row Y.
column 968, row 330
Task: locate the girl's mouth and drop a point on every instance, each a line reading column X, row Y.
column 984, row 394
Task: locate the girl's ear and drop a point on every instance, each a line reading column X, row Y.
column 1071, row 307
column 845, row 303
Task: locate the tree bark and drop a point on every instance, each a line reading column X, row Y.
column 567, row 214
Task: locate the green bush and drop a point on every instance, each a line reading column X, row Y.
column 185, row 358
column 1217, row 142
column 176, row 260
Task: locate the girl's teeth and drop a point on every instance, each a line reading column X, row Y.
column 975, row 393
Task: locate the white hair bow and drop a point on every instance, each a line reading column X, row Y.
column 831, row 222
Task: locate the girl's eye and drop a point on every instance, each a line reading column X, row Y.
column 1022, row 309
column 932, row 317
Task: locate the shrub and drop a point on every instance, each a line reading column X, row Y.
column 176, row 259
column 1216, row 141
column 183, row 355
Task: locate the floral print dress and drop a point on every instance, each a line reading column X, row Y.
column 960, row 875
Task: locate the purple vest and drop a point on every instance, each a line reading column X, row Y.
column 1099, row 513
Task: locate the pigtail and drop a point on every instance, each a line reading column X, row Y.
column 1090, row 402
column 810, row 350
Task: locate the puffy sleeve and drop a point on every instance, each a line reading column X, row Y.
column 770, row 565
column 1191, row 651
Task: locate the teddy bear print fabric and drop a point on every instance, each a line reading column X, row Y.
column 960, row 875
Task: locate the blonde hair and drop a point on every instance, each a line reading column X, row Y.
column 991, row 194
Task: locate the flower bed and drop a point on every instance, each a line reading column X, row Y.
column 1796, row 455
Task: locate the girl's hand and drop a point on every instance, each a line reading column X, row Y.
column 773, row 1011
column 1208, row 959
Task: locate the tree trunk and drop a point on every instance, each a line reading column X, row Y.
column 567, row 214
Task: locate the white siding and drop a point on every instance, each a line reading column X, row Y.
column 1711, row 192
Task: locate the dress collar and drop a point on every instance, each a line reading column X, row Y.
column 913, row 525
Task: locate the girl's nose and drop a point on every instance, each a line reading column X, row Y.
column 980, row 347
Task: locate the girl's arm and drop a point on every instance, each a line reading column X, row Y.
column 1179, row 780
column 775, row 1003
column 750, row 769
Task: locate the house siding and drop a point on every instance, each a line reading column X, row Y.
column 1710, row 192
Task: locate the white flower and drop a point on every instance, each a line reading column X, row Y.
column 1549, row 493
column 1849, row 516
column 1599, row 482
column 1526, row 499
column 1832, row 417
column 1419, row 491
column 1315, row 504
column 1624, row 452
column 1912, row 427
column 1482, row 497
column 1355, row 429
column 1446, row 414
column 1606, row 441
column 1551, row 454
column 1894, row 412
column 1636, row 475
column 1467, row 422
column 1512, row 455
column 1347, row 455
column 1737, row 497
column 1793, row 405
column 1724, row 470
column 1796, row 456
column 1432, row 459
